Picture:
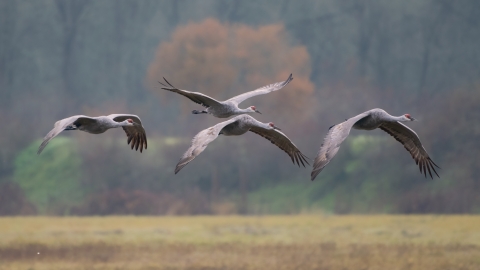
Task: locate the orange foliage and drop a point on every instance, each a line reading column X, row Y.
column 224, row 60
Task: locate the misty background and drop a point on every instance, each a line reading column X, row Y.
column 61, row 58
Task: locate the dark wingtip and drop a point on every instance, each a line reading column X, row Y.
column 434, row 163
column 289, row 79
column 145, row 140
column 169, row 83
column 301, row 160
column 304, row 158
column 40, row 148
column 296, row 159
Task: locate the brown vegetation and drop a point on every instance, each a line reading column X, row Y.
column 140, row 202
column 13, row 201
column 224, row 60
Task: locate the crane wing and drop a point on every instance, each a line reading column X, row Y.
column 61, row 125
column 283, row 142
column 261, row 91
column 329, row 148
column 201, row 141
column 136, row 135
column 411, row 142
column 196, row 97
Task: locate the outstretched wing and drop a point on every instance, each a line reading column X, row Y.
column 196, row 97
column 261, row 91
column 136, row 135
column 61, row 125
column 335, row 136
column 283, row 142
column 201, row 141
column 411, row 142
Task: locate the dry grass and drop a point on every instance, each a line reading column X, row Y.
column 233, row 242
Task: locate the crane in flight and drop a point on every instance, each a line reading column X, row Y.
column 369, row 120
column 237, row 126
column 130, row 123
column 227, row 108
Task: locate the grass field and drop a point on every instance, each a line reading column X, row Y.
column 235, row 242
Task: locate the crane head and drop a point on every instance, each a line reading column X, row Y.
column 129, row 122
column 409, row 117
column 273, row 126
column 255, row 109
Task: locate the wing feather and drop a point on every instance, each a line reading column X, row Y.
column 261, row 91
column 196, row 97
column 411, row 142
column 201, row 141
column 136, row 135
column 283, row 142
column 61, row 125
column 331, row 144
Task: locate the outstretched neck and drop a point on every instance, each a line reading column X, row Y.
column 400, row 118
column 242, row 111
column 114, row 124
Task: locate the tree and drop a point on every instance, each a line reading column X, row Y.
column 51, row 181
column 224, row 60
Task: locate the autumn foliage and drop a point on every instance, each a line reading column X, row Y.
column 224, row 60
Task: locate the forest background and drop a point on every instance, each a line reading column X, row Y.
column 61, row 58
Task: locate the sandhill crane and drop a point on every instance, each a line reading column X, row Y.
column 227, row 108
column 130, row 123
column 237, row 126
column 369, row 120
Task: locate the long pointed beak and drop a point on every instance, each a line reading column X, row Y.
column 413, row 119
column 274, row 127
column 257, row 111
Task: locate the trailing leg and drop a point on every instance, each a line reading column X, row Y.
column 199, row 112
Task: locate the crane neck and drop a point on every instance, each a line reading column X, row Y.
column 242, row 111
column 113, row 124
column 401, row 118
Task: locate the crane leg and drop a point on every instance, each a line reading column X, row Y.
column 71, row 127
column 198, row 112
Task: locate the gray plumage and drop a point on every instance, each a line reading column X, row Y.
column 369, row 120
column 227, row 108
column 237, row 126
column 130, row 123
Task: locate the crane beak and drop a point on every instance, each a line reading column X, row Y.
column 257, row 111
column 274, row 127
column 413, row 119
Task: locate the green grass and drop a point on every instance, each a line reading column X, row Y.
column 236, row 242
